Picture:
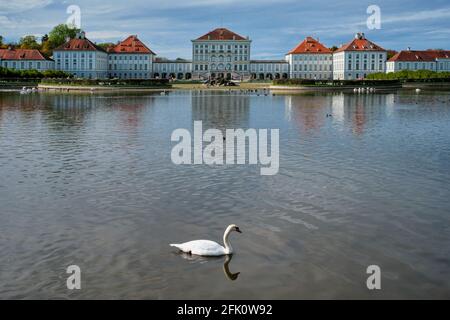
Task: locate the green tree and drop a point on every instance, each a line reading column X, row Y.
column 333, row 48
column 1, row 41
column 58, row 36
column 105, row 45
column 29, row 42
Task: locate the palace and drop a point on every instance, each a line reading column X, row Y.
column 222, row 53
column 433, row 60
column 23, row 59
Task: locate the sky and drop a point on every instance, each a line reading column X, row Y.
column 274, row 26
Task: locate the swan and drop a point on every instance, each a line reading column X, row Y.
column 209, row 248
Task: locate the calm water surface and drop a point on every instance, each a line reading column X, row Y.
column 87, row 179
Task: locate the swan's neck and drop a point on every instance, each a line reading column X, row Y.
column 226, row 241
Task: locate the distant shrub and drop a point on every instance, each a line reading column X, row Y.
column 107, row 82
column 6, row 73
column 312, row 82
column 410, row 75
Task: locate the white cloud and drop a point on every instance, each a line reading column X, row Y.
column 417, row 16
column 8, row 7
column 105, row 35
column 6, row 23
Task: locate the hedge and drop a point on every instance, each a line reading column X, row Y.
column 311, row 82
column 6, row 73
column 412, row 76
column 108, row 82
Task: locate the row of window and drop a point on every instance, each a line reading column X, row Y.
column 66, row 55
column 365, row 55
column 221, row 66
column 269, row 68
column 130, row 57
column 220, row 58
column 313, row 67
column 365, row 66
column 24, row 65
column 128, row 67
column 317, row 57
column 220, row 46
column 206, row 51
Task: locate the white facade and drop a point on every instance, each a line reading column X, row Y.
column 130, row 65
column 352, row 65
column 269, row 69
column 82, row 64
column 81, row 58
column 358, row 59
column 443, row 64
column 25, row 59
column 172, row 69
column 413, row 60
column 311, row 66
column 39, row 65
column 221, row 53
column 394, row 66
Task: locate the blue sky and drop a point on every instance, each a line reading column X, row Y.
column 274, row 26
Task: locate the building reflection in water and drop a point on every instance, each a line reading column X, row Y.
column 307, row 111
column 221, row 111
column 310, row 111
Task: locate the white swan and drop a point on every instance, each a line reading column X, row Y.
column 209, row 248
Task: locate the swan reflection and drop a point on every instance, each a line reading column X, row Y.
column 226, row 265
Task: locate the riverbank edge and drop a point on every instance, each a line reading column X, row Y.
column 243, row 86
column 331, row 88
column 62, row 88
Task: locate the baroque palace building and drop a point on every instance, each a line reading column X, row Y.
column 222, row 53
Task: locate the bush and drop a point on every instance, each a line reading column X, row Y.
column 31, row 74
column 108, row 82
column 409, row 75
column 311, row 82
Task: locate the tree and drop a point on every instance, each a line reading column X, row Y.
column 333, row 48
column 1, row 41
column 29, row 42
column 58, row 36
column 105, row 45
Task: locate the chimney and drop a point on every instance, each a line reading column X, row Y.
column 81, row 35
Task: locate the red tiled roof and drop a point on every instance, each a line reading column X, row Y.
column 82, row 44
column 310, row 45
column 418, row 56
column 360, row 44
column 21, row 54
column 131, row 45
column 221, row 34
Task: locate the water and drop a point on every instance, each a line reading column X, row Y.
column 87, row 179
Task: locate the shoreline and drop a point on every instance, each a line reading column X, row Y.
column 243, row 86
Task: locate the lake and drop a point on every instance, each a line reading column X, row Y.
column 87, row 180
